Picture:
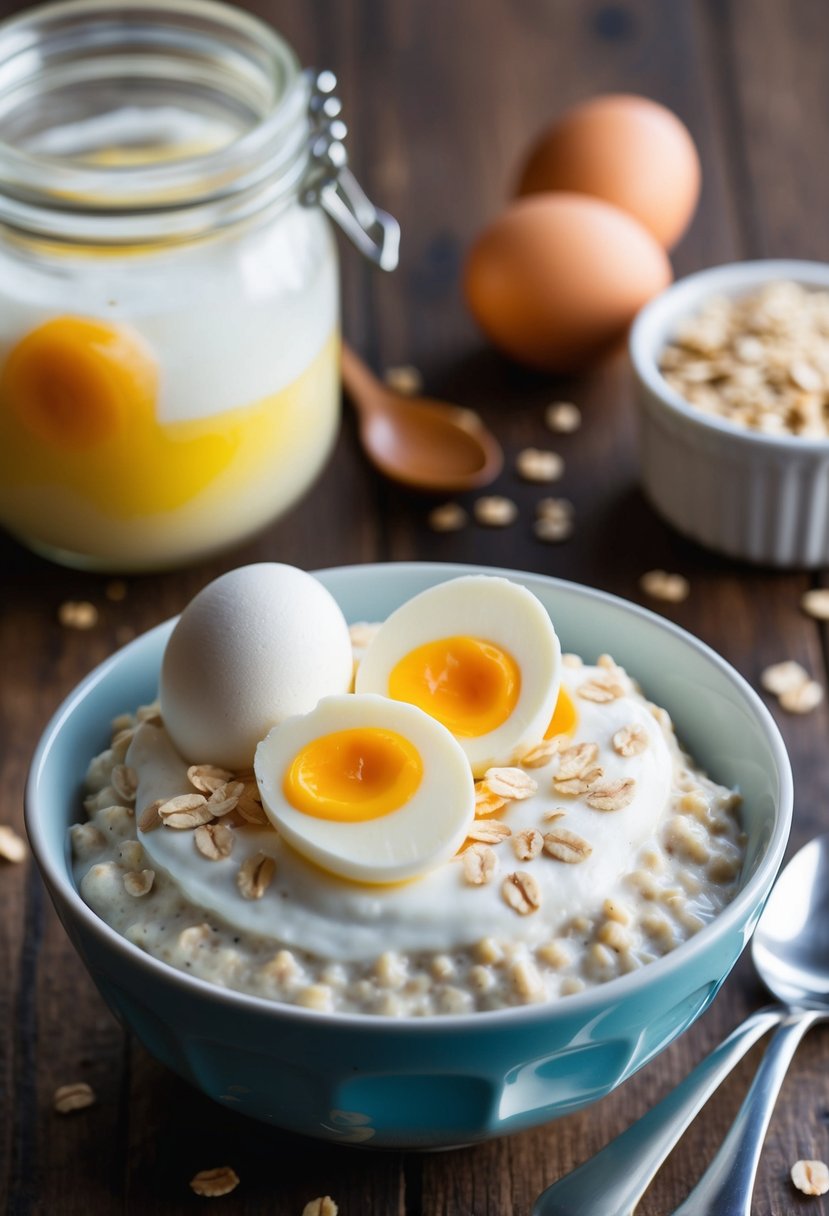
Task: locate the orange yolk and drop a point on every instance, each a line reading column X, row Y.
column 354, row 775
column 565, row 716
column 79, row 423
column 75, row 382
column 469, row 685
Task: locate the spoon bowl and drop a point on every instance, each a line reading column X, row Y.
column 790, row 948
column 423, row 444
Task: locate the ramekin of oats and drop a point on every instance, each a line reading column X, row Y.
column 379, row 1017
column 731, row 367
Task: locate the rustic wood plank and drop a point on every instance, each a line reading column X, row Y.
column 176, row 1132
column 441, row 101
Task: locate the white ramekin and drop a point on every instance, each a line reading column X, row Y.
column 753, row 496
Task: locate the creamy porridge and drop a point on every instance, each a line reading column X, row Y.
column 586, row 854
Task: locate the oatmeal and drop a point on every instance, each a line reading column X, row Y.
column 760, row 360
column 590, row 853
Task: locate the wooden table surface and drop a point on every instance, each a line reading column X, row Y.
column 441, row 100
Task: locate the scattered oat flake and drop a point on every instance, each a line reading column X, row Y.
column 116, row 590
column 612, row 795
column 489, row 831
column 206, row 778
column 602, row 689
column 212, row 1183
column 563, row 417
column 811, row 1177
column 816, row 603
column 12, row 846
column 630, row 740
column 511, row 783
column 251, row 809
column 566, row 846
column 528, row 844
column 214, row 840
column 149, row 819
column 225, row 798
column 78, row 614
column 324, row 1206
column 783, row 677
column 537, row 464
column 493, row 511
column 139, row 882
column 574, row 787
column 185, row 811
column 803, row 699
column 404, row 379
column 554, row 508
column 486, row 802
column 673, row 588
column 521, row 891
column 124, row 780
column 552, row 529
column 479, row 864
column 448, row 517
column 576, row 760
column 76, row 1096
column 538, row 754
column 255, row 875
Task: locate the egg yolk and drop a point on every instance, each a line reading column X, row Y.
column 565, row 716
column 469, row 685
column 79, row 425
column 354, row 775
column 75, row 382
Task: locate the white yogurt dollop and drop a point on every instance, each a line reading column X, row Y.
column 307, row 909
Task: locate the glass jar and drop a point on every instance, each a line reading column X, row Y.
column 169, row 318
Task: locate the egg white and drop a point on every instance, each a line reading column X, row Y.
column 494, row 610
column 404, row 843
column 255, row 646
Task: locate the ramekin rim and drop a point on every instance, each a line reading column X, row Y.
column 642, row 344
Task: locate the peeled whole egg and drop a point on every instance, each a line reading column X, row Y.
column 255, row 646
column 627, row 150
column 369, row 789
column 479, row 654
column 557, row 277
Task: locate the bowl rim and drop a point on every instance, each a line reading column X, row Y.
column 59, row 874
column 681, row 299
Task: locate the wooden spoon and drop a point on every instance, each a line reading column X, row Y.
column 424, row 444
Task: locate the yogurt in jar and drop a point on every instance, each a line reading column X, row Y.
column 169, row 315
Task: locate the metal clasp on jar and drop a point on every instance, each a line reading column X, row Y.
column 329, row 182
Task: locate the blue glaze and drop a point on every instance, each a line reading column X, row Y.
column 429, row 1083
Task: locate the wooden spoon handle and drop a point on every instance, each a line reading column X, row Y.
column 361, row 384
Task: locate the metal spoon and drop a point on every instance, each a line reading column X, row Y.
column 791, row 953
column 425, row 444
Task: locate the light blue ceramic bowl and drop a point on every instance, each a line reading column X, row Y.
column 449, row 1080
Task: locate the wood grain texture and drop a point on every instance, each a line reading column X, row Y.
column 441, row 101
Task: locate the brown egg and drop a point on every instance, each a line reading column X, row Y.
column 559, row 276
column 627, row 150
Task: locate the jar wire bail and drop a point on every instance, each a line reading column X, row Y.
column 329, row 182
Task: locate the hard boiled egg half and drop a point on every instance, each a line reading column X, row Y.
column 480, row 655
column 370, row 789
